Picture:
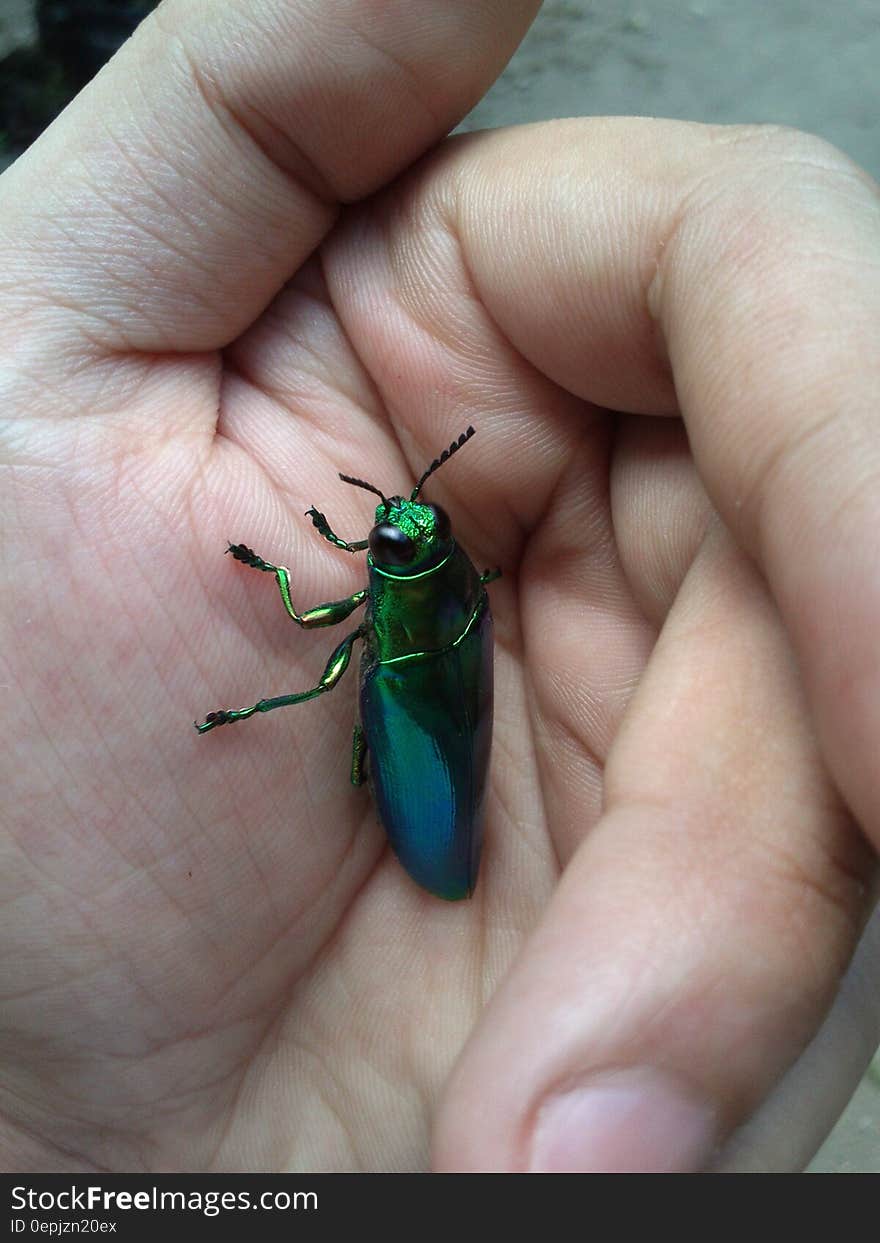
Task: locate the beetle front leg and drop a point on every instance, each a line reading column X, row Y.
column 321, row 615
column 323, row 527
column 489, row 576
column 336, row 666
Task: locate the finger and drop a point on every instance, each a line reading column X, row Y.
column 734, row 273
column 781, row 404
column 700, row 932
column 181, row 189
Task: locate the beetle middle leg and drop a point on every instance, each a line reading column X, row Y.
column 358, row 755
column 329, row 614
column 336, row 666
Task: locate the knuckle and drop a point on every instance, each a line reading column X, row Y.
column 786, row 152
column 790, row 193
column 237, row 113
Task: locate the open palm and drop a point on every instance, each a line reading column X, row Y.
column 212, row 958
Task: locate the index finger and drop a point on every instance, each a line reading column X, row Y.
column 183, row 187
column 732, row 274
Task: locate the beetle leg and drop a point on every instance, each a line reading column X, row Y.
column 336, row 666
column 321, row 615
column 358, row 755
column 489, row 576
column 324, row 528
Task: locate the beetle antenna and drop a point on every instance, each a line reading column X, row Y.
column 369, row 487
column 444, row 457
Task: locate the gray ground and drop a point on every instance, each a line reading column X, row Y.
column 808, row 63
column 16, row 24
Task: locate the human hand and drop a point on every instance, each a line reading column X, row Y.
column 210, row 958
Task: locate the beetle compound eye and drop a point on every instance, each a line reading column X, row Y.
column 391, row 546
column 442, row 525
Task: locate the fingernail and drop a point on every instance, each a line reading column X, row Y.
column 639, row 1121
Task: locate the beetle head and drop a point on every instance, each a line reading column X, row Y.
column 410, row 536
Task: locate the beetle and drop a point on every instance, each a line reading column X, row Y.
column 424, row 731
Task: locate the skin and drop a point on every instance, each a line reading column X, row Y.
column 210, row 959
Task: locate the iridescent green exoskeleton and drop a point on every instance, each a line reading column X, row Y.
column 425, row 727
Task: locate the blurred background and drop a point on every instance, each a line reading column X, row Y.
column 814, row 64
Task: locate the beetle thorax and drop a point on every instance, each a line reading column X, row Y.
column 423, row 612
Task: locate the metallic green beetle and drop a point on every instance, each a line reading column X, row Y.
column 426, row 685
